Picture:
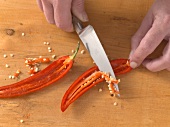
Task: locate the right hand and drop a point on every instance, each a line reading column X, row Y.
column 154, row 28
column 59, row 12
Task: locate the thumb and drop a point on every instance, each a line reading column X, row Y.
column 79, row 11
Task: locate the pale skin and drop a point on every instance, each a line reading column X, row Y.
column 154, row 28
column 59, row 12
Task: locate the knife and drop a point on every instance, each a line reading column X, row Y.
column 92, row 43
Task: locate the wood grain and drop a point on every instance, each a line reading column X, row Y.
column 145, row 95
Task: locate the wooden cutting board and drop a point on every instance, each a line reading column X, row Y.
column 145, row 95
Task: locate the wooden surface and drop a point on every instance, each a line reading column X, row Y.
column 145, row 95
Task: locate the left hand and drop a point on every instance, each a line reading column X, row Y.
column 59, row 12
column 154, row 28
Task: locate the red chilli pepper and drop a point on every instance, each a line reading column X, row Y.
column 91, row 78
column 46, row 77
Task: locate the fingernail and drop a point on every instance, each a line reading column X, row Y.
column 85, row 17
column 133, row 64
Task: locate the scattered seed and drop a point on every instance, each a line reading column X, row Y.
column 23, row 34
column 115, row 104
column 5, row 56
column 100, row 90
column 26, row 61
column 82, row 51
column 44, row 59
column 13, row 77
column 49, row 48
column 110, row 88
column 21, row 121
column 12, row 55
column 10, row 32
column 102, row 76
column 34, row 59
column 73, row 51
column 45, row 43
column 111, row 92
column 36, row 69
column 10, row 76
column 53, row 56
column 31, row 74
column 48, row 43
column 7, row 66
column 18, row 71
column 31, row 68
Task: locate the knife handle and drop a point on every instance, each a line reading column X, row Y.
column 77, row 25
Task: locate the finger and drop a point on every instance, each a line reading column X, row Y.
column 62, row 15
column 141, row 32
column 40, row 5
column 160, row 63
column 148, row 44
column 48, row 11
column 79, row 11
column 155, row 65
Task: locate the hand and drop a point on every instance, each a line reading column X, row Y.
column 59, row 12
column 154, row 28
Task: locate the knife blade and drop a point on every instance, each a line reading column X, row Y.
column 92, row 43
